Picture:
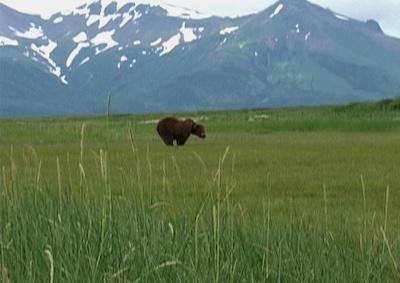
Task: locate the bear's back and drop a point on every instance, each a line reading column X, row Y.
column 170, row 126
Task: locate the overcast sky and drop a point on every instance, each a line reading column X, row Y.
column 386, row 12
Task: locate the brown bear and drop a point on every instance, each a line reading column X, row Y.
column 173, row 129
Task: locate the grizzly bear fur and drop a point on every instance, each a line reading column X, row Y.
column 173, row 129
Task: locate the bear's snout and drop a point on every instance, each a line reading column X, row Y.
column 203, row 135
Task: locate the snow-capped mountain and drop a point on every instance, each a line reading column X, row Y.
column 95, row 28
column 165, row 58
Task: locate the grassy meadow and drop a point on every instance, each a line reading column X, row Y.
column 277, row 195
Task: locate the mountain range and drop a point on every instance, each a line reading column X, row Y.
column 148, row 58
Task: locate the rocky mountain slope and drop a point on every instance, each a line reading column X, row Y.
column 166, row 58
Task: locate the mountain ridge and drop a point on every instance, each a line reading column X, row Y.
column 148, row 59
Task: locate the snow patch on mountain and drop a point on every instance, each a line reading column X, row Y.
column 104, row 38
column 223, row 42
column 188, row 33
column 277, row 11
column 84, row 61
column 184, row 13
column 228, row 30
column 103, row 20
column 32, row 33
column 341, row 17
column 80, row 37
column 120, row 3
column 137, row 16
column 58, row 20
column 170, row 44
column 156, row 42
column 137, row 42
column 79, row 11
column 297, row 28
column 75, row 52
column 172, row 10
column 128, row 16
column 63, row 79
column 45, row 51
column 307, row 36
column 121, row 60
column 4, row 41
column 125, row 19
column 133, row 63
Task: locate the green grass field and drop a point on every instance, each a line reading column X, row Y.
column 281, row 195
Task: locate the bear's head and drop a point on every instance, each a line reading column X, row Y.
column 198, row 130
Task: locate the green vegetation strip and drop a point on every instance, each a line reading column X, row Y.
column 284, row 195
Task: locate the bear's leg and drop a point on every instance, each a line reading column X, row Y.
column 168, row 140
column 181, row 141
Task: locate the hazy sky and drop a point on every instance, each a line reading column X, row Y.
column 386, row 12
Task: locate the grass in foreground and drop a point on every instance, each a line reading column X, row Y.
column 292, row 195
